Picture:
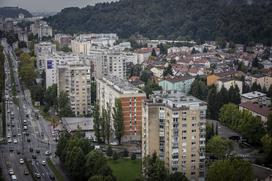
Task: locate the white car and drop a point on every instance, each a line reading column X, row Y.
column 9, row 140
column 25, row 127
column 43, row 162
column 15, row 141
column 21, row 161
column 11, row 172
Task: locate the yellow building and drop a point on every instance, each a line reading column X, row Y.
column 173, row 126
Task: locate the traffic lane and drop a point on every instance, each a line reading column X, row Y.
column 223, row 131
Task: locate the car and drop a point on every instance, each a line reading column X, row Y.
column 26, row 172
column 37, row 175
column 19, row 134
column 47, row 153
column 25, row 127
column 25, row 122
column 27, row 133
column 28, row 140
column 13, row 177
column 34, row 157
column 11, row 149
column 18, row 152
column 12, row 125
column 22, row 161
column 31, row 149
column 9, row 135
column 15, row 141
column 9, row 140
column 38, row 151
column 43, row 163
column 11, row 172
column 114, row 143
column 51, row 177
column 14, row 135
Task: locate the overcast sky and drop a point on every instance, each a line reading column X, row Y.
column 48, row 5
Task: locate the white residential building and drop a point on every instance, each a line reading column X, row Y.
column 228, row 82
column 42, row 29
column 42, row 50
column 74, row 79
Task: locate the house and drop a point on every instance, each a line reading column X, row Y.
column 261, row 173
column 262, row 80
column 144, row 53
column 77, row 124
column 256, row 96
column 182, row 84
column 256, row 109
column 157, row 72
column 227, row 82
column 213, row 78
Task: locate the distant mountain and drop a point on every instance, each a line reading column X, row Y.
column 240, row 21
column 12, row 12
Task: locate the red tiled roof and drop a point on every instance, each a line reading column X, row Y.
column 254, row 107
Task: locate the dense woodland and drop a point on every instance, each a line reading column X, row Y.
column 13, row 12
column 200, row 20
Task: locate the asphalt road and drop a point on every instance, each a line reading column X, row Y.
column 36, row 136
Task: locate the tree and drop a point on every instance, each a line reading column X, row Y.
column 97, row 123
column 219, row 147
column 154, row 168
column 106, row 124
column 95, row 160
column 115, row 155
column 163, row 49
column 93, row 92
column 145, row 76
column 118, row 120
column 64, row 108
column 212, row 103
column 37, row 93
column 199, row 89
column 27, row 69
column 136, row 70
column 177, row 176
column 74, row 162
column 109, row 151
column 251, row 128
column 230, row 115
column 133, row 156
column 209, row 131
column 267, row 148
column 63, row 141
column 269, row 124
column 234, row 95
column 153, row 53
column 256, row 87
column 168, row 71
column 230, row 169
column 50, row 96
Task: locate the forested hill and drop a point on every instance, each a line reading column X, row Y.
column 241, row 21
column 13, row 12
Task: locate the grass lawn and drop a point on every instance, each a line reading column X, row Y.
column 125, row 169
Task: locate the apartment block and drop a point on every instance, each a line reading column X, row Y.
column 109, row 89
column 42, row 50
column 74, row 79
column 262, row 80
column 110, row 63
column 42, row 29
column 52, row 61
column 173, row 126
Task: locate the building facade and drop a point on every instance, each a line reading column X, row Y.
column 109, row 89
column 182, row 84
column 74, row 78
column 173, row 126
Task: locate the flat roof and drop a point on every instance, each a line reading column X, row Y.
column 253, row 95
column 75, row 123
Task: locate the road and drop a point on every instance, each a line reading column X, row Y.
column 28, row 134
column 247, row 153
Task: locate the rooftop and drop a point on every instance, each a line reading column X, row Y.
column 75, row 123
column 253, row 95
column 176, row 99
column 120, row 85
column 255, row 107
column 178, row 78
